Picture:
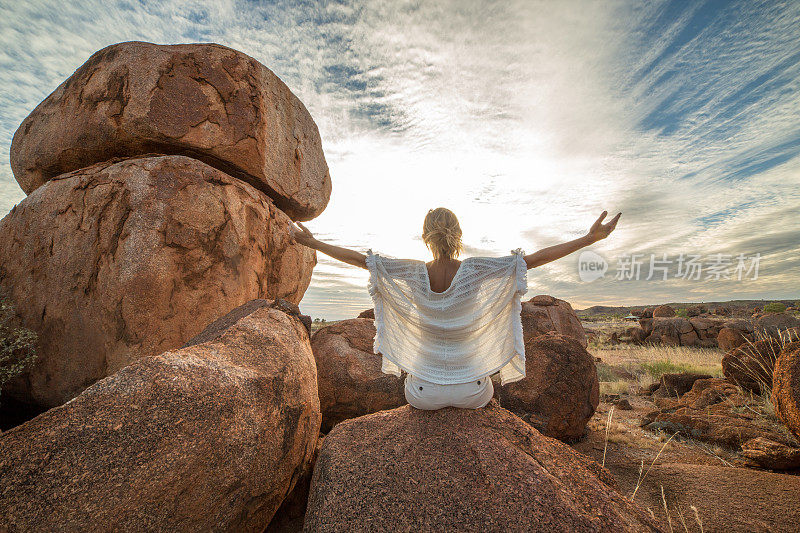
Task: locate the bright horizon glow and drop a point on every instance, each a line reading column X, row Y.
column 527, row 119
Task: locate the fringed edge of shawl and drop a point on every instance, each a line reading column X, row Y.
column 372, row 288
column 521, row 287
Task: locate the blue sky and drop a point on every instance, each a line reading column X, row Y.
column 525, row 118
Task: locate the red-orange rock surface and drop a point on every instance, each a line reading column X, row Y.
column 349, row 373
column 204, row 100
column 786, row 388
column 206, row 438
column 289, row 516
column 543, row 313
column 729, row 338
column 663, row 311
column 715, row 411
column 367, row 313
column 127, row 259
column 560, row 390
column 750, row 365
column 778, row 324
column 460, row 470
column 770, row 454
column 674, row 331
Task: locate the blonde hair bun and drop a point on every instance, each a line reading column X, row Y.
column 442, row 233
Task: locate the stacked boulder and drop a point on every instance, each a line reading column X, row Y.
column 161, row 181
column 543, row 314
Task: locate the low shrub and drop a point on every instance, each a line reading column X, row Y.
column 774, row 307
column 17, row 343
column 656, row 369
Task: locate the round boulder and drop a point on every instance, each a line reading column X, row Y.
column 127, row 259
column 751, row 365
column 211, row 437
column 560, row 390
column 205, row 100
column 729, row 339
column 460, row 470
column 542, row 314
column 779, row 324
column 663, row 311
column 349, row 373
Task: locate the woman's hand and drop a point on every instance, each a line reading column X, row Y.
column 302, row 236
column 599, row 230
column 306, row 238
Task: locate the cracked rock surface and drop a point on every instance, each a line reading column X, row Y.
column 130, row 258
column 206, row 438
column 207, row 101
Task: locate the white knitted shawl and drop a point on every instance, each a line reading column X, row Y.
column 471, row 330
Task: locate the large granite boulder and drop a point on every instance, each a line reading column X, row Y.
column 204, row 100
column 560, row 390
column 211, row 437
column 751, row 364
column 130, row 258
column 460, row 470
column 786, row 387
column 542, row 314
column 349, row 373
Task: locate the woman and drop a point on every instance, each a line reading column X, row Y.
column 451, row 324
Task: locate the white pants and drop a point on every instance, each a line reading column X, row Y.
column 426, row 395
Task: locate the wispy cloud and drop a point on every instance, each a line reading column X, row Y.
column 525, row 118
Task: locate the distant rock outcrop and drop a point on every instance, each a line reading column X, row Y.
column 542, row 314
column 460, row 470
column 674, row 331
column 349, row 373
column 674, row 385
column 663, row 311
column 212, row 437
column 560, row 391
column 207, row 101
column 129, row 258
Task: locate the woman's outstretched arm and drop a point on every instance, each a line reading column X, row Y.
column 597, row 232
column 305, row 237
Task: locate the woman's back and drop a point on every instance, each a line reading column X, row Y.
column 441, row 274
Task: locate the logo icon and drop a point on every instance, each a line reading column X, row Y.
column 591, row 266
